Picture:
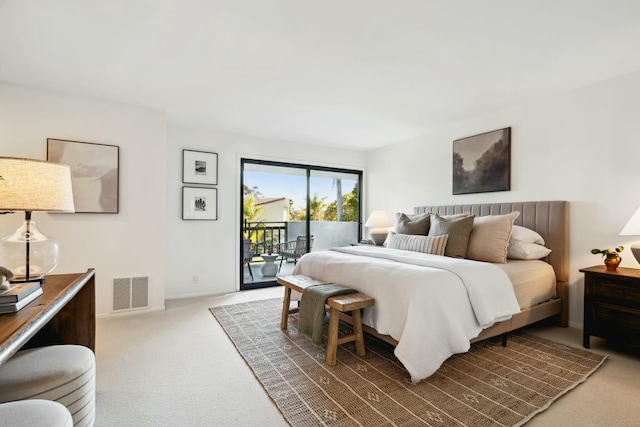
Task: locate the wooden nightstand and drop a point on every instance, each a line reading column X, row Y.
column 612, row 305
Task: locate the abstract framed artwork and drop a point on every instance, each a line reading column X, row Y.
column 482, row 163
column 95, row 170
column 200, row 203
column 199, row 167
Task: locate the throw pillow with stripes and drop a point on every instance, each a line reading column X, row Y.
column 434, row 245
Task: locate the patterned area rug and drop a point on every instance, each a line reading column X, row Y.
column 490, row 385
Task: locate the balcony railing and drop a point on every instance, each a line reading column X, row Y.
column 327, row 234
column 266, row 235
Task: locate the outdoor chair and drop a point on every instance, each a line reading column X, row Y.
column 294, row 249
column 247, row 254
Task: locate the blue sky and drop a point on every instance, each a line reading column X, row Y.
column 294, row 186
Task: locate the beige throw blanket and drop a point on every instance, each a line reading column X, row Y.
column 312, row 312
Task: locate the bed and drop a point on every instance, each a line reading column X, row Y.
column 423, row 341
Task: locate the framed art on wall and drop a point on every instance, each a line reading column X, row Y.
column 482, row 163
column 200, row 203
column 199, row 167
column 94, row 173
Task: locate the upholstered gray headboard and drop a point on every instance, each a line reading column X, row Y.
column 549, row 218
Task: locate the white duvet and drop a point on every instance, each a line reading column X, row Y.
column 432, row 305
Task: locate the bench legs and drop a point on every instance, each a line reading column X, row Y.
column 357, row 330
column 285, row 308
column 333, row 341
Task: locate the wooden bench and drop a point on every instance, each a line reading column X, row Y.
column 339, row 305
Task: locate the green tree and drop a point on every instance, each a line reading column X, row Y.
column 292, row 211
column 316, row 205
column 249, row 209
column 350, row 205
column 331, row 212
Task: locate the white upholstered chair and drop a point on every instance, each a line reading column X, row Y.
column 34, row 412
column 61, row 373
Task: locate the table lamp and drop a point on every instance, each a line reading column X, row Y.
column 378, row 221
column 633, row 229
column 32, row 185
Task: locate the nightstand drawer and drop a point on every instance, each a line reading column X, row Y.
column 617, row 323
column 617, row 291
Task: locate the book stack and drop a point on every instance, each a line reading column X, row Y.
column 19, row 295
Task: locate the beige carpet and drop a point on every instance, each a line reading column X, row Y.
column 490, row 385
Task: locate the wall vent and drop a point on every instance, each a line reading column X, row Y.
column 130, row 293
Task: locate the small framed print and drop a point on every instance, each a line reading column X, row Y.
column 200, row 203
column 199, row 167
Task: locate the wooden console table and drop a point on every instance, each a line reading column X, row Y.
column 64, row 314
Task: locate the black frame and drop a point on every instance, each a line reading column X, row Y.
column 193, row 178
column 308, row 168
column 214, row 216
column 492, row 167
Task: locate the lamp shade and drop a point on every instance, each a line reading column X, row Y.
column 34, row 185
column 378, row 219
column 632, row 228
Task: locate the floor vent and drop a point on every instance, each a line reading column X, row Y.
column 130, row 293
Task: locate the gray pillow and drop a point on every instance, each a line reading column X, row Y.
column 412, row 224
column 458, row 230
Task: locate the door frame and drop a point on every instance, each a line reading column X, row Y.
column 281, row 163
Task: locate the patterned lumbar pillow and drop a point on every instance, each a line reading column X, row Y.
column 407, row 242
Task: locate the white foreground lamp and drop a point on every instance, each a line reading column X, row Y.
column 633, row 229
column 378, row 221
column 32, row 185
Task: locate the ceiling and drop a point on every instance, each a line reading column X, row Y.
column 352, row 73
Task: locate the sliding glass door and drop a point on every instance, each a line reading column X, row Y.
column 290, row 209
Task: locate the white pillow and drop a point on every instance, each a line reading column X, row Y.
column 434, row 245
column 526, row 235
column 524, row 250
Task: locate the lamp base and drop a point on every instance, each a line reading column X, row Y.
column 378, row 236
column 635, row 250
column 30, row 280
column 28, row 252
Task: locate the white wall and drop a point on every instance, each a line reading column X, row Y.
column 124, row 245
column 209, row 249
column 582, row 146
column 148, row 236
